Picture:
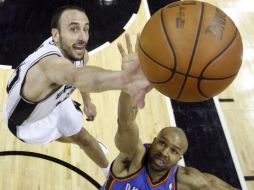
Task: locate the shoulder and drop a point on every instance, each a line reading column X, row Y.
column 46, row 51
column 54, row 62
column 125, row 165
column 190, row 177
column 187, row 171
column 49, row 46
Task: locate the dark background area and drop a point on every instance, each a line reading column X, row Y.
column 25, row 24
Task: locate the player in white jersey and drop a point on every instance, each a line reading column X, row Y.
column 38, row 108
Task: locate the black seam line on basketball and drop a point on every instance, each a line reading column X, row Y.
column 56, row 160
column 169, row 43
column 219, row 78
column 211, row 61
column 194, row 50
column 204, row 78
column 182, row 3
column 177, row 72
column 173, row 52
column 158, row 64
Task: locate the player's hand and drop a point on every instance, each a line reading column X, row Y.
column 90, row 111
column 136, row 83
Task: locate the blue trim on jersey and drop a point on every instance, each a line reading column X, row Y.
column 140, row 180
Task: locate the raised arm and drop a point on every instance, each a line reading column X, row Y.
column 94, row 79
column 127, row 137
column 193, row 179
column 89, row 79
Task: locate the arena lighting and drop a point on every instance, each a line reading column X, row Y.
column 2, row 2
column 107, row 2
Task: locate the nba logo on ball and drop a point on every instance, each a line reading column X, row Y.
column 190, row 51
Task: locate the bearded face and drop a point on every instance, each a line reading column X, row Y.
column 167, row 149
column 73, row 34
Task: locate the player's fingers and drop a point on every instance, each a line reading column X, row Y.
column 137, row 42
column 140, row 99
column 121, row 50
column 128, row 43
column 149, row 88
column 90, row 117
column 93, row 112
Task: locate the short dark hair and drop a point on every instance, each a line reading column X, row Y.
column 58, row 13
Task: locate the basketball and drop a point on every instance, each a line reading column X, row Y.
column 190, row 51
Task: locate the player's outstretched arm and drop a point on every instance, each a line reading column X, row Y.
column 193, row 179
column 89, row 79
column 127, row 137
column 61, row 71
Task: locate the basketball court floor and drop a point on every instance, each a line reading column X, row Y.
column 220, row 131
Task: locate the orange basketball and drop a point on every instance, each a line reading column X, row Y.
column 190, row 51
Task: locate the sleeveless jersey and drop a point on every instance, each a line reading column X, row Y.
column 140, row 181
column 20, row 111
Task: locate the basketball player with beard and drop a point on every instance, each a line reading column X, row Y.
column 38, row 109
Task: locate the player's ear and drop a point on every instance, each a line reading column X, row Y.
column 55, row 35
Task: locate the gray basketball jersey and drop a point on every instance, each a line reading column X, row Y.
column 20, row 111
